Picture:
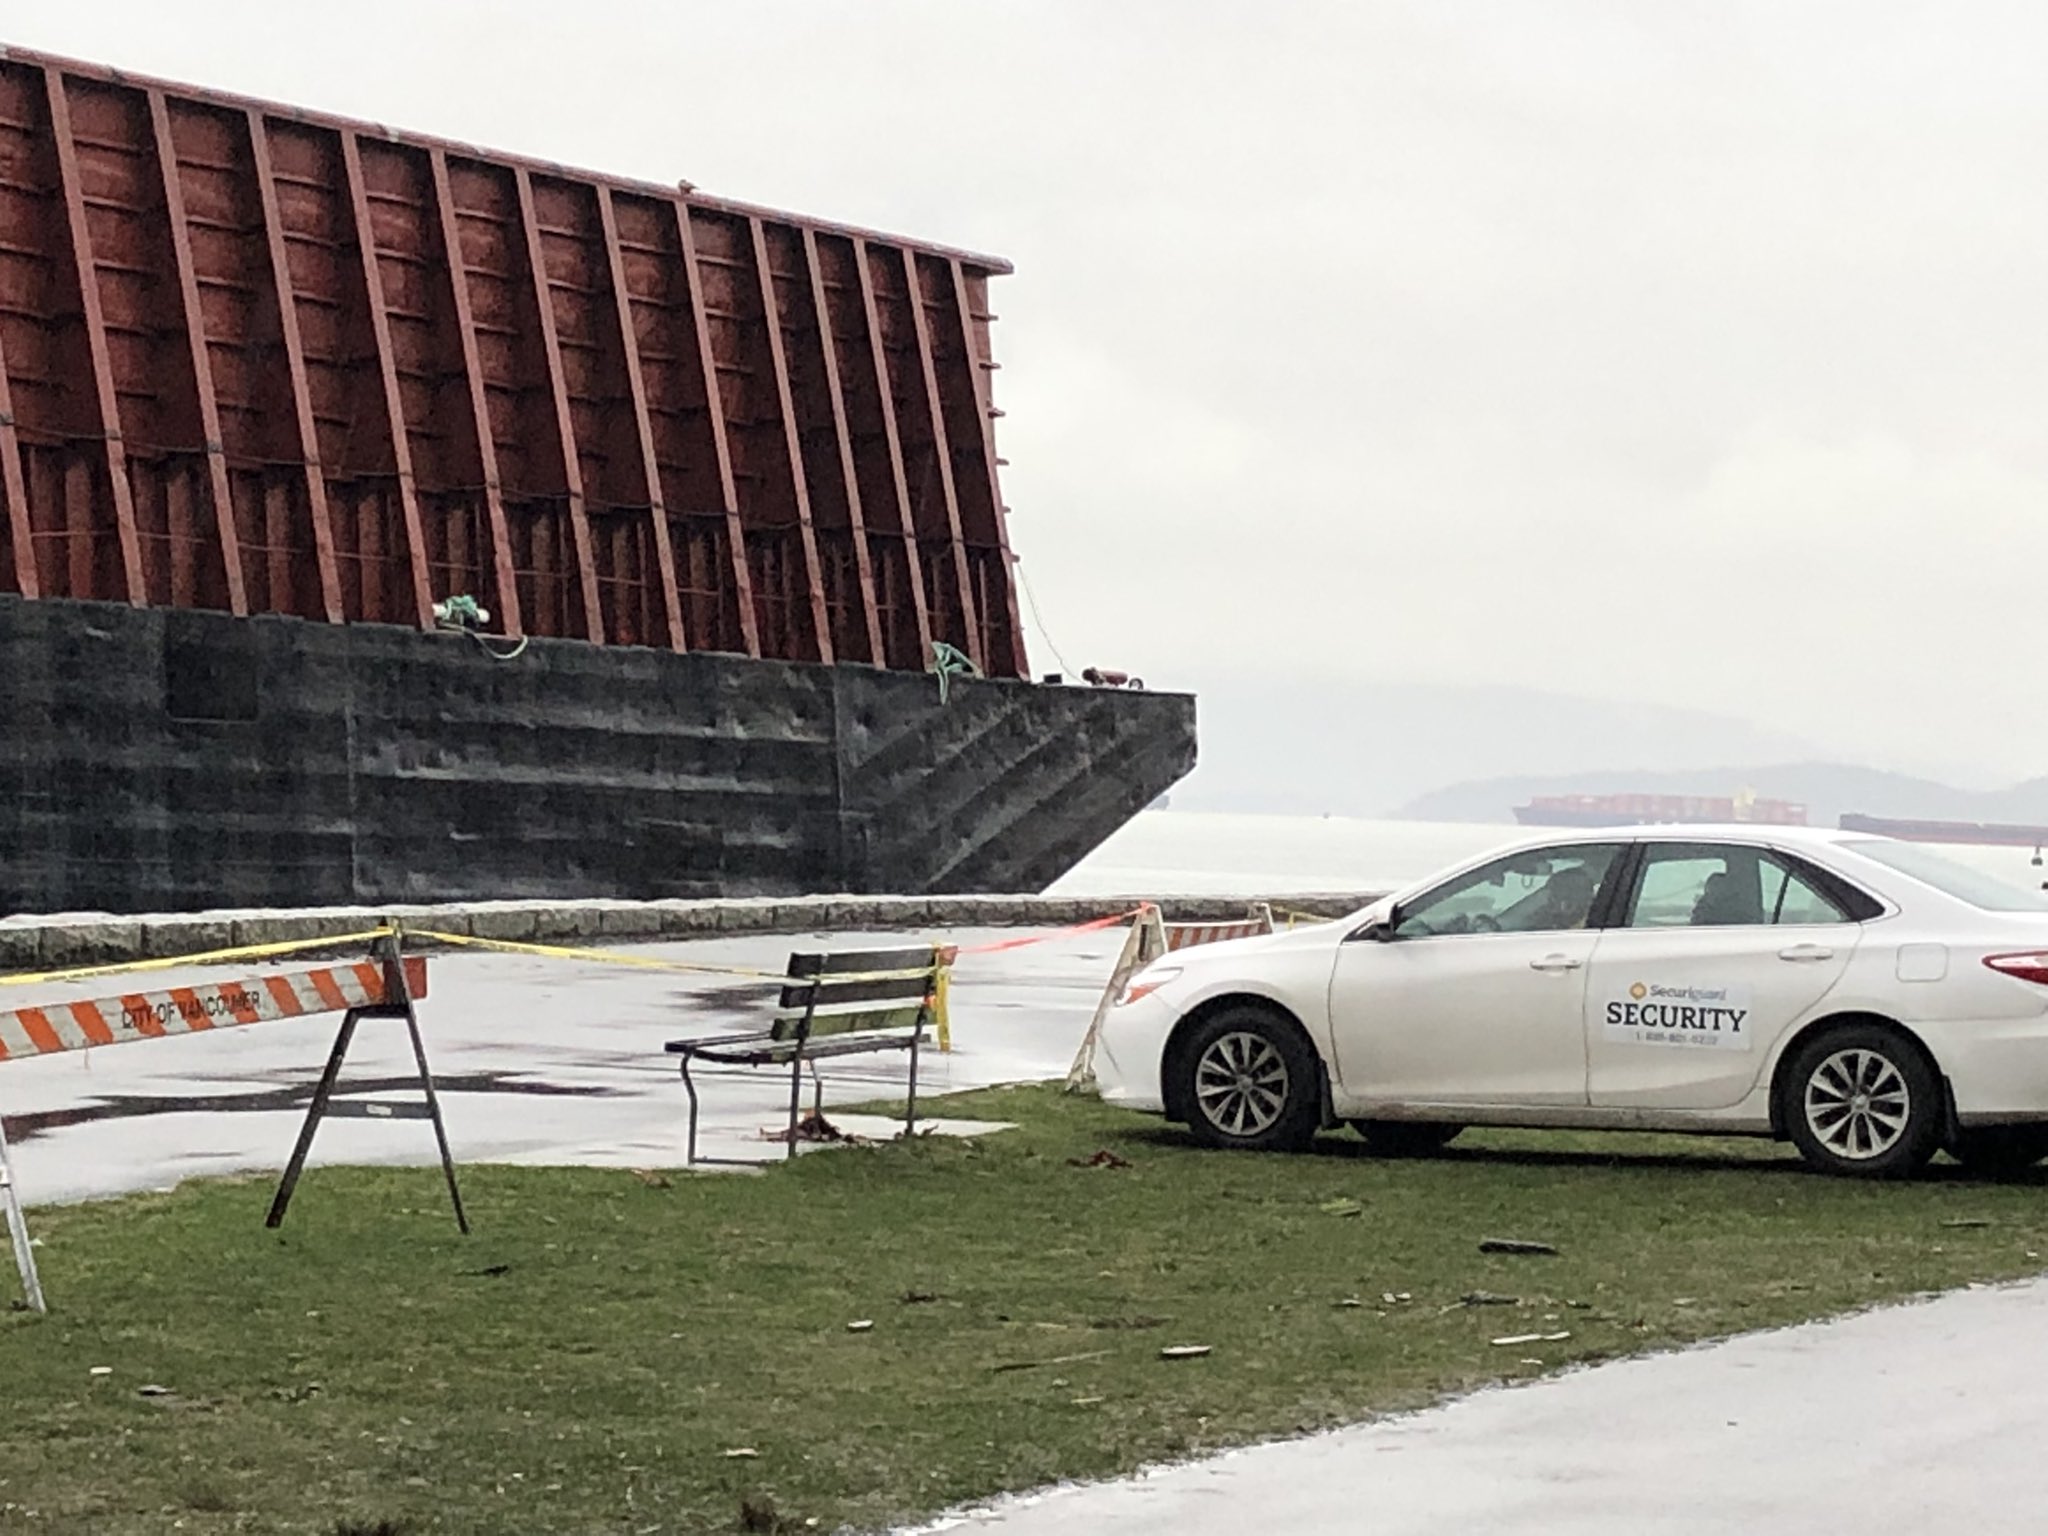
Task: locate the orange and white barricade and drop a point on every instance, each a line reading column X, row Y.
column 384, row 987
column 1152, row 936
column 58, row 1027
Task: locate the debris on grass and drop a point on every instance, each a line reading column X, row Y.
column 1967, row 1221
column 1341, row 1208
column 1185, row 1351
column 741, row 1453
column 1487, row 1299
column 1514, row 1245
column 761, row 1516
column 102, row 1370
column 811, row 1129
column 1347, row 1301
column 489, row 1271
column 1102, row 1159
column 151, row 1389
column 1031, row 1365
column 860, row 1325
column 1531, row 1338
column 653, row 1178
column 916, row 1298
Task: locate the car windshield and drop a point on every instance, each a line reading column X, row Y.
column 1950, row 876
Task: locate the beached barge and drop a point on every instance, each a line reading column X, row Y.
column 273, row 386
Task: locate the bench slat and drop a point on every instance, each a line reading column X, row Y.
column 858, row 976
column 851, row 1021
column 755, row 1052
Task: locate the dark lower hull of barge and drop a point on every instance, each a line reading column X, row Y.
column 174, row 760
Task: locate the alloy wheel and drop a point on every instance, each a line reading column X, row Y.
column 1857, row 1104
column 1241, row 1084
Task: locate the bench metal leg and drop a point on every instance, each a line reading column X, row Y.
column 796, row 1091
column 910, row 1108
column 689, row 1087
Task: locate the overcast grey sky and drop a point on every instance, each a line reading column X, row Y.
column 1684, row 352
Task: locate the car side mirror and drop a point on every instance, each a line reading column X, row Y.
column 1380, row 930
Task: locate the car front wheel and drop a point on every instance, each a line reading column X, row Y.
column 1249, row 1079
column 1864, row 1101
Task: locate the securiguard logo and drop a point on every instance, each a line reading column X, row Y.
column 1657, row 1013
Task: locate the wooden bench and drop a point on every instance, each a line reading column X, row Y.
column 832, row 1003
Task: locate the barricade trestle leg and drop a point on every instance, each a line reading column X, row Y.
column 17, row 1228
column 397, row 1004
column 1145, row 943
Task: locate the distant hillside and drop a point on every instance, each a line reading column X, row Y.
column 1827, row 790
column 1281, row 742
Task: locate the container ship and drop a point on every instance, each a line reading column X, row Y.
column 387, row 519
column 1651, row 810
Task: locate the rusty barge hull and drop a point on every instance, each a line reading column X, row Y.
column 257, row 360
column 274, row 384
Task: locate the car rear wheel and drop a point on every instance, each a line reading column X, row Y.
column 1999, row 1151
column 1249, row 1079
column 1405, row 1138
column 1862, row 1100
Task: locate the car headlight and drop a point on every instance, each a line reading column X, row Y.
column 1146, row 982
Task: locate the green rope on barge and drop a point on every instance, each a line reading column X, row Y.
column 948, row 662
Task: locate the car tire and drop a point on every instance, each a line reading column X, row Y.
column 2001, row 1151
column 1405, row 1138
column 1250, row 1080
column 1862, row 1100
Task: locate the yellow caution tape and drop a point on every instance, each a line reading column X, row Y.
column 204, row 957
column 602, row 956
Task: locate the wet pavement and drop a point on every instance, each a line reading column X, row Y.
column 537, row 1061
column 1891, row 1423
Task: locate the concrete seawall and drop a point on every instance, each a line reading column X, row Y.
column 93, row 939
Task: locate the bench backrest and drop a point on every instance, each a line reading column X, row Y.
column 856, row 990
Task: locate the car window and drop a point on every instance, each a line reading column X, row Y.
column 1790, row 897
column 1986, row 892
column 1535, row 891
column 1708, row 885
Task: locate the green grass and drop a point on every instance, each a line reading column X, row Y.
column 586, row 1361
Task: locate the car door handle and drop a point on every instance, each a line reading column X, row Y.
column 1555, row 963
column 1806, row 952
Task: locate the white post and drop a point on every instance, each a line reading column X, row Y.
column 17, row 1226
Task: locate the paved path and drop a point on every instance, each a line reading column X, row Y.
column 1901, row 1422
column 538, row 1061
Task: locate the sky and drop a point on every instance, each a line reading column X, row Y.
column 1687, row 354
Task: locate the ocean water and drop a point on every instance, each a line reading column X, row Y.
column 1203, row 853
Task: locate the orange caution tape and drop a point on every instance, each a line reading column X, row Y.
column 1045, row 938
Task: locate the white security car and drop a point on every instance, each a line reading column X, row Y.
column 1873, row 1001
